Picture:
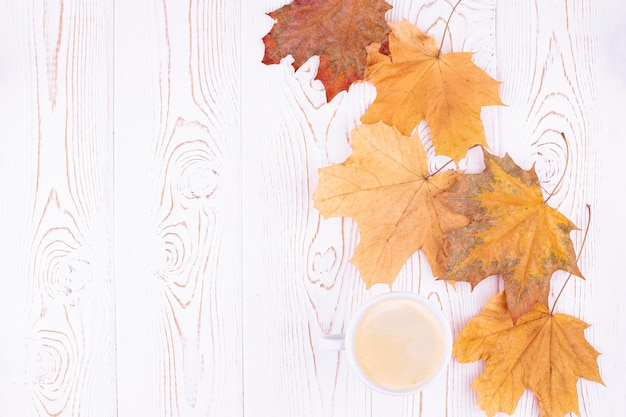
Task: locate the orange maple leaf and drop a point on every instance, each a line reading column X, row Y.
column 385, row 186
column 415, row 82
column 544, row 352
column 338, row 31
column 513, row 232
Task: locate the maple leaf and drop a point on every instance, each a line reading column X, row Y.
column 338, row 31
column 385, row 186
column 415, row 82
column 544, row 352
column 513, row 232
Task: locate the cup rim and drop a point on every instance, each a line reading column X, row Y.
column 354, row 322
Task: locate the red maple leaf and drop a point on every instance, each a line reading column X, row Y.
column 338, row 31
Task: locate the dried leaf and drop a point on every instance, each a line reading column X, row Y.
column 385, row 186
column 513, row 233
column 416, row 83
column 543, row 352
column 338, row 31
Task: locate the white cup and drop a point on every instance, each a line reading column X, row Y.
column 424, row 344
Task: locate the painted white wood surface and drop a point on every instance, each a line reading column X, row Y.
column 57, row 307
column 178, row 199
column 160, row 251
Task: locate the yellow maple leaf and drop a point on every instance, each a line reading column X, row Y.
column 386, row 187
column 544, row 352
column 416, row 82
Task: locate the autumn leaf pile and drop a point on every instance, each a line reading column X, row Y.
column 469, row 226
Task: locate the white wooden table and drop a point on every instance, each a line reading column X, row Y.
column 160, row 252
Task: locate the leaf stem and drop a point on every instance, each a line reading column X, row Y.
column 440, row 168
column 443, row 37
column 582, row 245
column 558, row 184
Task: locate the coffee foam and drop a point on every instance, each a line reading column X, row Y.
column 399, row 344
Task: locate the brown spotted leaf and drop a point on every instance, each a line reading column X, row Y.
column 338, row 31
column 544, row 352
column 386, row 187
column 513, row 233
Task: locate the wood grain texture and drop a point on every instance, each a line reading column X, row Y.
column 605, row 307
column 58, row 326
column 178, row 209
column 299, row 284
column 145, row 141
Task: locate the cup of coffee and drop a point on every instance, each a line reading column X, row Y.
column 398, row 343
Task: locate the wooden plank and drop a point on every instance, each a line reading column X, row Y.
column 57, row 304
column 299, row 283
column 547, row 58
column 178, row 209
column 604, row 308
